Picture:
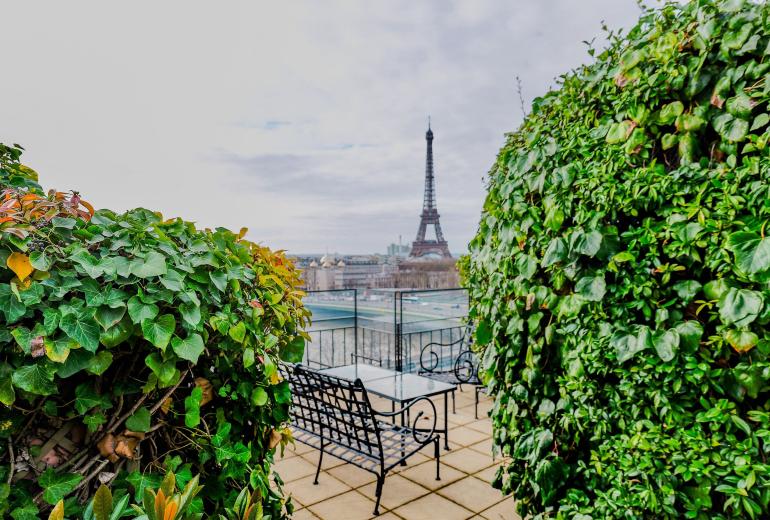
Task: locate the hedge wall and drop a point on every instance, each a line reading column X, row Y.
column 621, row 277
column 132, row 345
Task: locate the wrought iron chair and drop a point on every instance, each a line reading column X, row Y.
column 336, row 416
column 459, row 370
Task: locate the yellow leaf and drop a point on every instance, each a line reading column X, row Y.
column 242, row 232
column 57, row 513
column 19, row 264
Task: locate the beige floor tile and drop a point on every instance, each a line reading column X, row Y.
column 433, row 507
column 293, row 468
column 350, row 506
column 467, row 460
column 307, row 493
column 388, row 516
column 396, row 491
column 425, row 475
column 328, row 463
column 299, row 448
column 466, row 436
column 485, row 447
column 352, row 475
column 505, row 510
column 461, row 417
column 482, row 425
column 303, row 514
column 472, row 494
column 488, row 474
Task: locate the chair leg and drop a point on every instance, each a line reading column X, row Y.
column 476, row 407
column 437, row 454
column 318, row 469
column 453, row 402
column 378, row 493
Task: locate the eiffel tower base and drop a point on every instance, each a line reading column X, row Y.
column 430, row 247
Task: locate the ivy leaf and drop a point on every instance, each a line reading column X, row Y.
column 687, row 289
column 107, row 316
column 192, row 408
column 238, row 332
column 102, row 504
column 159, row 331
column 35, row 379
column 760, row 121
column 82, row 329
column 752, row 252
column 98, row 364
column 666, row 344
column 191, row 313
column 293, row 351
column 57, row 485
column 740, row 306
column 259, row 396
column 690, row 333
column 219, row 279
column 20, row 265
column 483, row 333
column 731, row 128
column 10, row 304
column 189, row 348
column 117, row 334
column 248, row 357
column 628, row 345
column 153, row 264
column 7, row 393
column 58, row 350
column 139, row 311
column 555, row 252
column 139, row 421
column 587, row 244
column 591, row 288
column 741, row 340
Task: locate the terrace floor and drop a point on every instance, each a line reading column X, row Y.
column 345, row 492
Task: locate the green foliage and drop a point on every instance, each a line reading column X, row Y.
column 620, row 277
column 141, row 340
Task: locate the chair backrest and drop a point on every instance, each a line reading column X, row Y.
column 441, row 358
column 334, row 409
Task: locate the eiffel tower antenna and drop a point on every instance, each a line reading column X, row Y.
column 429, row 217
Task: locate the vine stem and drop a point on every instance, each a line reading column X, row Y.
column 13, row 461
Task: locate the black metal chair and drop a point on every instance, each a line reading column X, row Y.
column 461, row 369
column 336, row 416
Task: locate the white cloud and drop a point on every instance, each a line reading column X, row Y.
column 303, row 121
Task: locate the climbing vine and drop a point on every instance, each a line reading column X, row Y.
column 620, row 277
column 131, row 346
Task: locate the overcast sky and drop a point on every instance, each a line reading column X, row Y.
column 301, row 120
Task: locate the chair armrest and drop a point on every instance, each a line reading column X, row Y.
column 415, row 432
column 434, row 356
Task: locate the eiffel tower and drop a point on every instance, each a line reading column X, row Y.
column 429, row 216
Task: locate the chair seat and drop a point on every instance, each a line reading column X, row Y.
column 447, row 377
column 397, row 442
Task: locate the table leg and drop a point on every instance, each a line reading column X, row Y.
column 393, row 409
column 446, row 419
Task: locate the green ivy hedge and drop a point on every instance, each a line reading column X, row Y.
column 132, row 345
column 621, row 277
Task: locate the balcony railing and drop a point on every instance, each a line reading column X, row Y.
column 384, row 327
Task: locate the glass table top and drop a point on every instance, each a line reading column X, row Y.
column 396, row 386
column 358, row 371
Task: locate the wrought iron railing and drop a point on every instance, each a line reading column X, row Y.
column 385, row 327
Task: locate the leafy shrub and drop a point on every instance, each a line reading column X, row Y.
column 620, row 275
column 130, row 345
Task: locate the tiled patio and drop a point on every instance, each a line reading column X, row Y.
column 411, row 492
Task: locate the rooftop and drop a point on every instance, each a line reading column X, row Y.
column 410, row 492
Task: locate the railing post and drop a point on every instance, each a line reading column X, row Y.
column 397, row 327
column 355, row 322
